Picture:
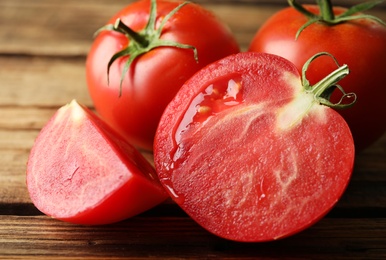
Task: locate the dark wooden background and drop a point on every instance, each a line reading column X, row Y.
column 43, row 46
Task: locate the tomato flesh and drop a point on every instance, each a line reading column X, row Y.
column 79, row 170
column 268, row 165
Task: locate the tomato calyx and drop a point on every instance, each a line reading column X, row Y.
column 323, row 89
column 143, row 41
column 328, row 17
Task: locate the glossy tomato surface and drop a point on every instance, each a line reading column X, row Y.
column 153, row 78
column 248, row 154
column 81, row 171
column 358, row 43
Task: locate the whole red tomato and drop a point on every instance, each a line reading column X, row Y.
column 360, row 43
column 151, row 68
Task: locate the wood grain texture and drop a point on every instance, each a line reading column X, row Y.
column 66, row 28
column 43, row 48
column 142, row 237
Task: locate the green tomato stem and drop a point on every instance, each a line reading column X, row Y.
column 328, row 18
column 323, row 89
column 132, row 35
column 326, row 10
column 144, row 40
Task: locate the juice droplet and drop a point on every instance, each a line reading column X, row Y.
column 172, row 192
column 212, row 100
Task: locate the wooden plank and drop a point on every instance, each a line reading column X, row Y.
column 42, row 82
column 14, row 118
column 57, row 27
column 370, row 164
column 66, row 28
column 181, row 237
column 14, row 152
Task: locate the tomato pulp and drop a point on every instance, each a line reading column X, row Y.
column 154, row 77
column 249, row 154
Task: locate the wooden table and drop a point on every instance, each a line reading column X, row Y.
column 43, row 45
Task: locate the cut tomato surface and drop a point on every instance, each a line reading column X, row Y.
column 248, row 153
column 81, row 171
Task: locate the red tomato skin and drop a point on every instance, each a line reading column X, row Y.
column 209, row 168
column 81, row 171
column 155, row 77
column 359, row 43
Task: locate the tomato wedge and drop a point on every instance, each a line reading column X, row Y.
column 251, row 154
column 80, row 171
